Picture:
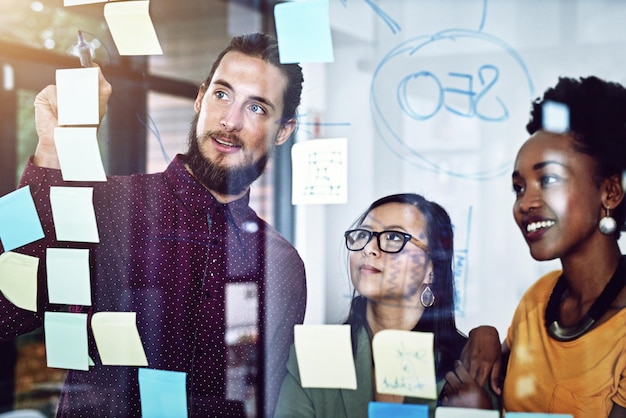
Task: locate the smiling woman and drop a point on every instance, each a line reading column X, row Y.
column 569, row 205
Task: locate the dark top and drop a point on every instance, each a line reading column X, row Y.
column 167, row 250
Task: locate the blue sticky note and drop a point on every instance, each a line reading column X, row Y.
column 396, row 410
column 303, row 31
column 66, row 340
column 536, row 415
column 163, row 393
column 19, row 222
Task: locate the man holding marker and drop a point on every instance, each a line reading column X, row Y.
column 172, row 244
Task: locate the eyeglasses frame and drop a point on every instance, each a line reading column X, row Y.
column 407, row 238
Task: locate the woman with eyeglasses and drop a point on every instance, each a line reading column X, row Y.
column 400, row 263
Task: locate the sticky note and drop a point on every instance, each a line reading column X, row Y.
column 555, row 116
column 405, row 363
column 451, row 412
column 65, row 336
column 163, row 393
column 79, row 155
column 77, row 96
column 18, row 279
column 73, row 214
column 396, row 410
column 118, row 339
column 131, row 28
column 324, row 354
column 19, row 221
column 68, row 276
column 320, row 171
column 303, row 31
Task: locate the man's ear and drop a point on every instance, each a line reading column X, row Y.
column 197, row 105
column 285, row 132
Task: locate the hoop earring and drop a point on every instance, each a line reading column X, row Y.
column 427, row 297
column 607, row 224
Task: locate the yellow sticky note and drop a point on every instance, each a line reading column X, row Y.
column 324, row 355
column 131, row 28
column 405, row 363
column 18, row 279
column 117, row 338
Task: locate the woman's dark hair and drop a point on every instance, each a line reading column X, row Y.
column 439, row 318
column 265, row 47
column 597, row 122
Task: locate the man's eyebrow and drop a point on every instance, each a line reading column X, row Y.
column 259, row 99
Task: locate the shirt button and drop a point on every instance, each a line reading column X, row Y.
column 207, row 294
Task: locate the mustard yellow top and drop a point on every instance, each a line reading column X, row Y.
column 583, row 377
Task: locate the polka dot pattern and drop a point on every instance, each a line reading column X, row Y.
column 167, row 250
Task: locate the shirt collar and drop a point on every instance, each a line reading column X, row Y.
column 196, row 198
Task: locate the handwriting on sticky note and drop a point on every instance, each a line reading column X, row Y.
column 405, row 363
column 320, row 171
column 324, row 355
column 117, row 338
column 18, row 279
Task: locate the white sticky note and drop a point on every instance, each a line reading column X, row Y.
column 79, row 155
column 303, row 31
column 117, row 338
column 131, row 28
column 555, row 116
column 66, row 340
column 324, row 355
column 18, row 279
column 73, row 214
column 77, row 96
column 450, row 412
column 68, row 276
column 320, row 171
column 405, row 363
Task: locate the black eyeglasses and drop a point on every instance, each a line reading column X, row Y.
column 388, row 241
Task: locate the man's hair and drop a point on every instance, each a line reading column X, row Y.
column 265, row 47
column 597, row 122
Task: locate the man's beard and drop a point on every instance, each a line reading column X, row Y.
column 229, row 181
